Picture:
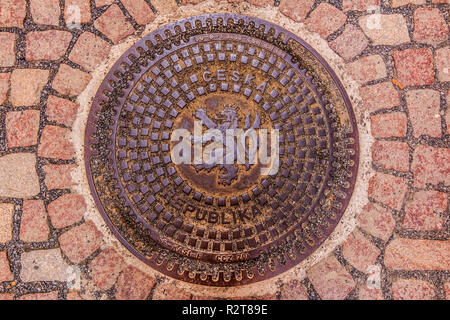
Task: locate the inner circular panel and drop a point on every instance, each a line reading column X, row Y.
column 223, row 222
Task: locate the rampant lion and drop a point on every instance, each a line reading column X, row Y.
column 228, row 120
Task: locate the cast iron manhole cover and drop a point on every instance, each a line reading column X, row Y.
column 230, row 222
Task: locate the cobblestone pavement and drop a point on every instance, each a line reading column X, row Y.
column 396, row 51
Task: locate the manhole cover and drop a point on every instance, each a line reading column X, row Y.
column 232, row 221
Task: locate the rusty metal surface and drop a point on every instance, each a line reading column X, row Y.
column 221, row 226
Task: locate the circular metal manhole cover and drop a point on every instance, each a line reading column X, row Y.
column 230, row 222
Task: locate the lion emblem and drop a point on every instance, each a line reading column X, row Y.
column 227, row 119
